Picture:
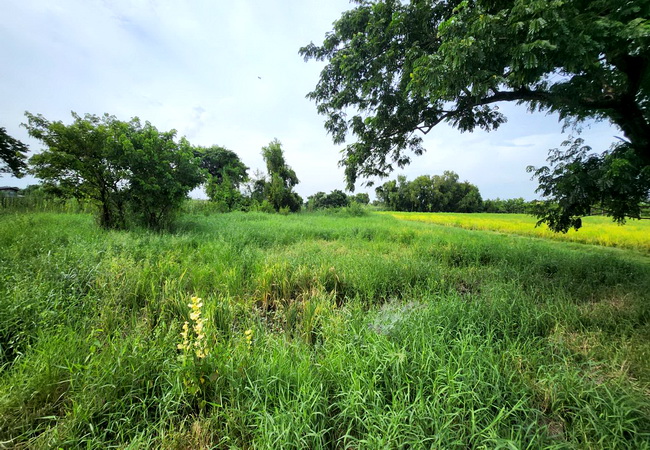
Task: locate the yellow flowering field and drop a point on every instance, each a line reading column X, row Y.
column 635, row 234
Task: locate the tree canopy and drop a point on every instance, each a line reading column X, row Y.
column 225, row 174
column 395, row 70
column 12, row 155
column 220, row 162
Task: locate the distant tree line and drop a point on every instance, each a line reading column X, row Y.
column 508, row 206
column 442, row 193
column 437, row 193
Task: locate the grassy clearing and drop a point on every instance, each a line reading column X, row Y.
column 595, row 229
column 322, row 331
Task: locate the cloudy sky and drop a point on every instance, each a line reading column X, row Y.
column 227, row 73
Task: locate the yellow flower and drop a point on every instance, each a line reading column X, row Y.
column 197, row 303
column 248, row 334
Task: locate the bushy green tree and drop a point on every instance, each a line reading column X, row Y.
column 225, row 174
column 278, row 189
column 121, row 167
column 316, row 201
column 335, row 199
column 161, row 171
column 82, row 160
column 362, row 198
column 396, row 69
column 12, row 155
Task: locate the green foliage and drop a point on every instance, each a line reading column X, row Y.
column 397, row 68
column 121, row 167
column 224, row 192
column 278, row 189
column 338, row 199
column 507, row 206
column 430, row 194
column 321, row 200
column 12, row 155
column 161, row 172
column 226, row 173
column 617, row 181
column 220, row 163
column 362, row 198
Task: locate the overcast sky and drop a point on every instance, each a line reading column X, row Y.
column 228, row 73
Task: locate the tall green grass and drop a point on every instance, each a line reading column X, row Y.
column 365, row 332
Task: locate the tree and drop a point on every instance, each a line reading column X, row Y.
column 399, row 69
column 79, row 163
column 225, row 174
column 282, row 179
column 160, row 171
column 362, row 198
column 12, row 155
column 121, row 167
column 220, row 162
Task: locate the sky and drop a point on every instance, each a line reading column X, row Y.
column 229, row 74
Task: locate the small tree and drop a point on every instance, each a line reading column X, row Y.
column 430, row 194
column 361, row 198
column 282, row 179
column 335, row 199
column 225, row 174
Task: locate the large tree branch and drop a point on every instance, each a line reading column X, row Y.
column 549, row 98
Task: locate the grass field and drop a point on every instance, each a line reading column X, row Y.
column 598, row 230
column 317, row 331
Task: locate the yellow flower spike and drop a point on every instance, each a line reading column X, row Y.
column 194, row 337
